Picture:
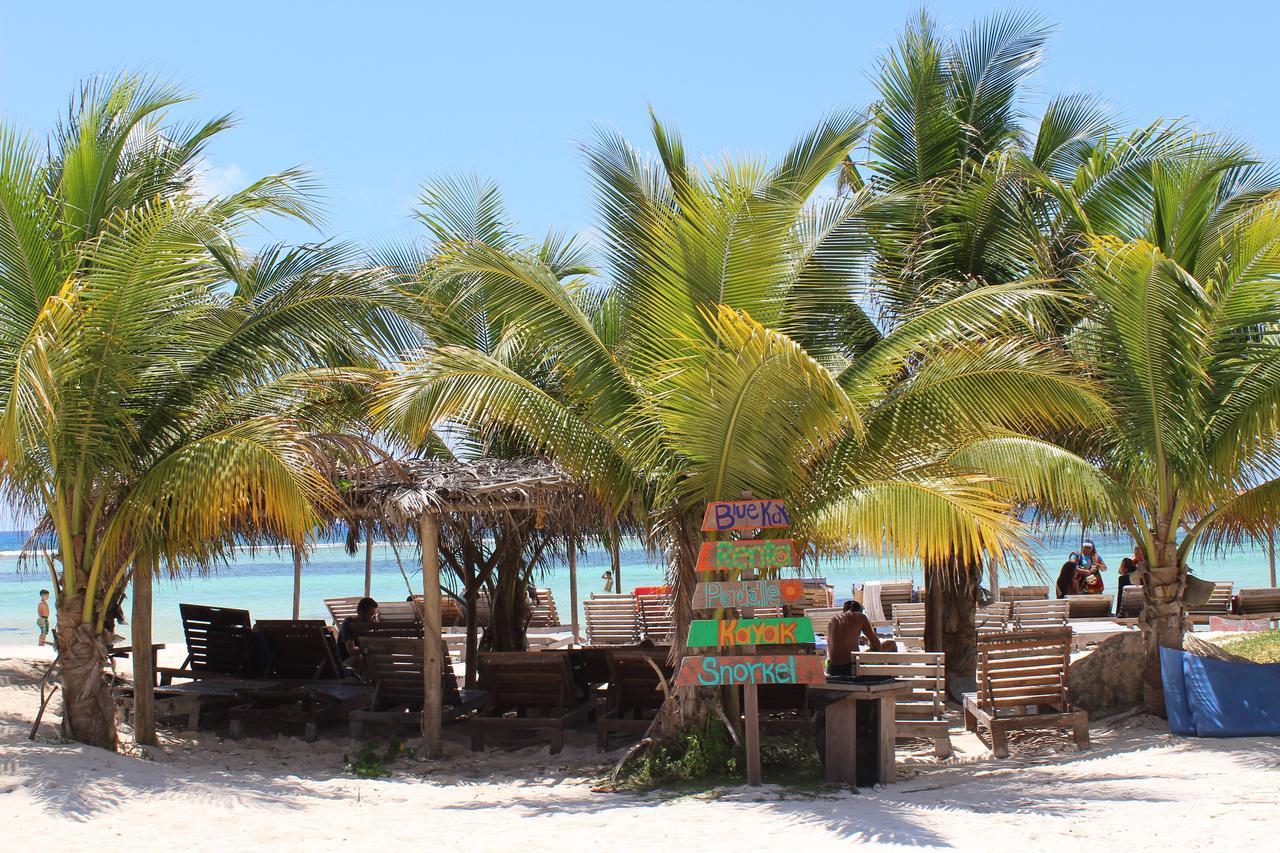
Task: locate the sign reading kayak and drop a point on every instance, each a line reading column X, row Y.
column 745, row 515
column 750, row 632
column 712, row 670
column 742, row 554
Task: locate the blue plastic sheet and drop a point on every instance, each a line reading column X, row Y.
column 1175, row 692
column 1213, row 698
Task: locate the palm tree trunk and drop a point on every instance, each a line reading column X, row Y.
column 88, row 712
column 1164, row 616
column 951, row 602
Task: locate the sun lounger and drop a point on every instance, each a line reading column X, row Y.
column 908, row 624
column 893, row 593
column 1219, row 603
column 1022, row 684
column 656, row 621
column 303, row 649
column 389, row 612
column 921, row 713
column 1091, row 606
column 219, row 643
column 1030, row 614
column 820, row 617
column 1131, row 601
column 521, row 682
column 394, row 665
column 308, row 705
column 612, row 620
column 1024, row 593
column 817, row 593
column 544, row 612
column 634, row 689
column 1260, row 603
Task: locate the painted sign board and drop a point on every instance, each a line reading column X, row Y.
column 750, row 632
column 739, row 594
column 711, row 670
column 741, row 554
column 745, row 515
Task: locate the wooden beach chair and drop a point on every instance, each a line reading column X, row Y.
column 219, row 644
column 634, row 689
column 908, row 624
column 1219, row 603
column 1030, row 614
column 544, row 612
column 303, row 649
column 817, row 593
column 921, row 713
column 821, row 617
column 1022, row 684
column 656, row 621
column 612, row 620
column 389, row 612
column 1089, row 606
column 395, row 666
column 1024, row 593
column 893, row 593
column 1260, row 603
column 520, row 682
column 1131, row 601
column 452, row 612
column 994, row 618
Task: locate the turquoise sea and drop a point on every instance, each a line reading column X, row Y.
column 262, row 582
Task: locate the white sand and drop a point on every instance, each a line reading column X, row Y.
column 1138, row 788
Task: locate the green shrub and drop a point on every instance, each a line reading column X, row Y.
column 372, row 762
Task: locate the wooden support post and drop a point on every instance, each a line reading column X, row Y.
column 751, row 710
column 888, row 740
column 144, row 675
column 368, row 560
column 573, row 586
column 432, row 706
column 615, row 559
column 297, row 582
column 842, row 742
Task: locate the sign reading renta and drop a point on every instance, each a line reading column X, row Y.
column 745, row 515
column 738, row 594
column 744, row 554
column 750, row 632
column 712, row 670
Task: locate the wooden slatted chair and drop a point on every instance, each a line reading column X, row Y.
column 821, row 617
column 908, row 624
column 994, row 618
column 1260, row 602
column 219, row 643
column 893, row 593
column 611, row 620
column 1024, row 593
column 389, row 612
column 521, row 682
column 1091, row 606
column 921, row 713
column 1219, row 603
column 300, row 649
column 817, row 593
column 657, row 624
column 1022, row 684
column 544, row 612
column 1131, row 601
column 635, row 689
column 766, row 613
column 1031, row 614
column 395, row 667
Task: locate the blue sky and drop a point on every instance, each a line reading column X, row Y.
column 377, row 97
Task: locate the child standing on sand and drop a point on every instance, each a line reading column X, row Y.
column 42, row 616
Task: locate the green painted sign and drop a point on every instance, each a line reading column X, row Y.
column 750, row 632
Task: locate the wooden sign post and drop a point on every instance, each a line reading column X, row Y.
column 735, row 564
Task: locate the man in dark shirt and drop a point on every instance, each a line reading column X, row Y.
column 842, row 638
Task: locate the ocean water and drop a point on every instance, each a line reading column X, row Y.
column 262, row 582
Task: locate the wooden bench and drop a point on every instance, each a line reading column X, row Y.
column 1260, row 602
column 520, row 682
column 1024, row 593
column 635, row 689
column 395, row 666
column 219, row 644
column 611, row 620
column 1031, row 614
column 921, row 713
column 1022, row 684
column 657, row 624
column 1090, row 606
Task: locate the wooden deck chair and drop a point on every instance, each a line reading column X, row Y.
column 303, row 649
column 544, row 612
column 1260, row 602
column 1024, row 593
column 994, row 618
column 821, row 617
column 634, row 689
column 395, row 667
column 766, row 613
column 342, row 609
column 1022, row 684
column 817, row 593
column 1219, row 603
column 1132, row 601
column 1030, row 614
column 893, row 593
column 389, row 612
column 657, row 624
column 908, row 623
column 219, row 643
column 1091, row 606
column 521, row 682
column 612, row 620
column 921, row 713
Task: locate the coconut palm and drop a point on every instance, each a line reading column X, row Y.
column 162, row 392
column 731, row 353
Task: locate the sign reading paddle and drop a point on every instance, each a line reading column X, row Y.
column 741, row 594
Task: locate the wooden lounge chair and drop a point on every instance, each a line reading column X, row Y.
column 893, row 593
column 994, row 618
column 921, row 713
column 1219, row 603
column 544, row 612
column 908, row 624
column 219, row 643
column 389, row 612
column 821, row 617
column 452, row 612
column 1024, row 593
column 1260, row 603
column 1091, row 606
column 611, row 620
column 304, row 650
column 1030, row 614
column 656, row 621
column 1131, row 601
column 766, row 613
column 817, row 593
column 307, row 704
column 634, row 688
column 395, row 667
column 1022, row 684
column 521, row 682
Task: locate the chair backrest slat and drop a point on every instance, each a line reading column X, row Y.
column 219, row 639
column 1039, row 614
column 1024, row 668
column 527, row 679
column 302, row 649
column 612, row 620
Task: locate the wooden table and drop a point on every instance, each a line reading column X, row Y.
column 842, row 727
column 125, row 651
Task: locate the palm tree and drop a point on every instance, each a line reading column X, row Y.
column 162, row 392
column 731, row 352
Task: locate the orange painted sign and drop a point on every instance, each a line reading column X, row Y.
column 741, row 554
column 745, row 515
column 712, row 670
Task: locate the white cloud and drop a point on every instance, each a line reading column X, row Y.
column 214, row 179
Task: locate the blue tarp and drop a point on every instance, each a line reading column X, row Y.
column 1214, row 698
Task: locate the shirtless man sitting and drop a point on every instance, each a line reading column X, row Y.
column 842, row 638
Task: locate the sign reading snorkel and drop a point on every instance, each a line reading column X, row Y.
column 745, row 515
column 713, row 670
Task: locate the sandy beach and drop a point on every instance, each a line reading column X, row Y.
column 1137, row 787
